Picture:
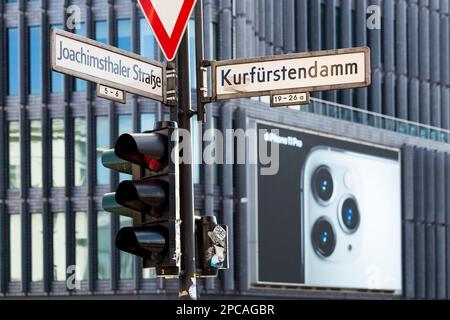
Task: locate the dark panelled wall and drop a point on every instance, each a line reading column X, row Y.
column 426, row 217
column 410, row 53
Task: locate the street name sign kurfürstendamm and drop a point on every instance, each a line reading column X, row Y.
column 93, row 61
column 298, row 72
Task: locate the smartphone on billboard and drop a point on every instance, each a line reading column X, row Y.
column 350, row 220
column 331, row 215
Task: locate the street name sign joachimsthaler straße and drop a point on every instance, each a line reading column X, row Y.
column 298, row 72
column 91, row 60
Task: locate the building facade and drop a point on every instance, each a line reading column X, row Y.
column 54, row 129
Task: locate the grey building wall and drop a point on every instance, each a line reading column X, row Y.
column 410, row 65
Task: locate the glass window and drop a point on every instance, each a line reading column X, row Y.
column 80, row 85
column 196, row 150
column 166, row 117
column 101, row 31
column 125, row 126
column 37, row 247
column 36, row 153
column 126, row 259
column 353, row 27
column 13, row 62
column 147, row 121
column 103, row 245
column 59, row 246
column 214, row 37
column 216, row 167
column 337, row 26
column 14, row 154
column 191, row 30
column 58, row 153
column 15, row 253
column 146, row 40
column 102, row 144
column 323, row 27
column 80, row 151
column 124, row 34
column 11, row 1
column 35, row 63
column 57, row 78
column 81, row 245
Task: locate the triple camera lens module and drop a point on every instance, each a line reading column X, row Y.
column 323, row 238
column 350, row 215
column 323, row 183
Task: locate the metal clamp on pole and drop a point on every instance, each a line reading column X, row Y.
column 171, row 93
column 204, row 65
column 205, row 88
column 204, row 81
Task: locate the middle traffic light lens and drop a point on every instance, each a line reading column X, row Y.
column 136, row 194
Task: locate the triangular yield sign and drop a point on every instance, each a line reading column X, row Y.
column 168, row 20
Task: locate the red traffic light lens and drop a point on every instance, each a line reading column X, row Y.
column 152, row 164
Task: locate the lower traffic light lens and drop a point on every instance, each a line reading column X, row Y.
column 141, row 241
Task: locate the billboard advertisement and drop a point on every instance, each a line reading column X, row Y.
column 331, row 215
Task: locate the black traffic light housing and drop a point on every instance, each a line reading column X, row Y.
column 151, row 198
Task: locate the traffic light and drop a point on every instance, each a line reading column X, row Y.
column 151, row 198
column 211, row 246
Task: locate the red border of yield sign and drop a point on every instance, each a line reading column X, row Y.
column 168, row 44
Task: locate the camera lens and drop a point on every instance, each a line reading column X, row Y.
column 323, row 183
column 323, row 238
column 350, row 214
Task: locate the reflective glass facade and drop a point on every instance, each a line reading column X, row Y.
column 58, row 153
column 13, row 61
column 35, row 63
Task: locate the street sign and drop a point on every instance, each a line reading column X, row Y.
column 94, row 61
column 284, row 74
column 289, row 99
column 168, row 20
column 110, row 93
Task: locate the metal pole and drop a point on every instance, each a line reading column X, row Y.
column 198, row 58
column 188, row 289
